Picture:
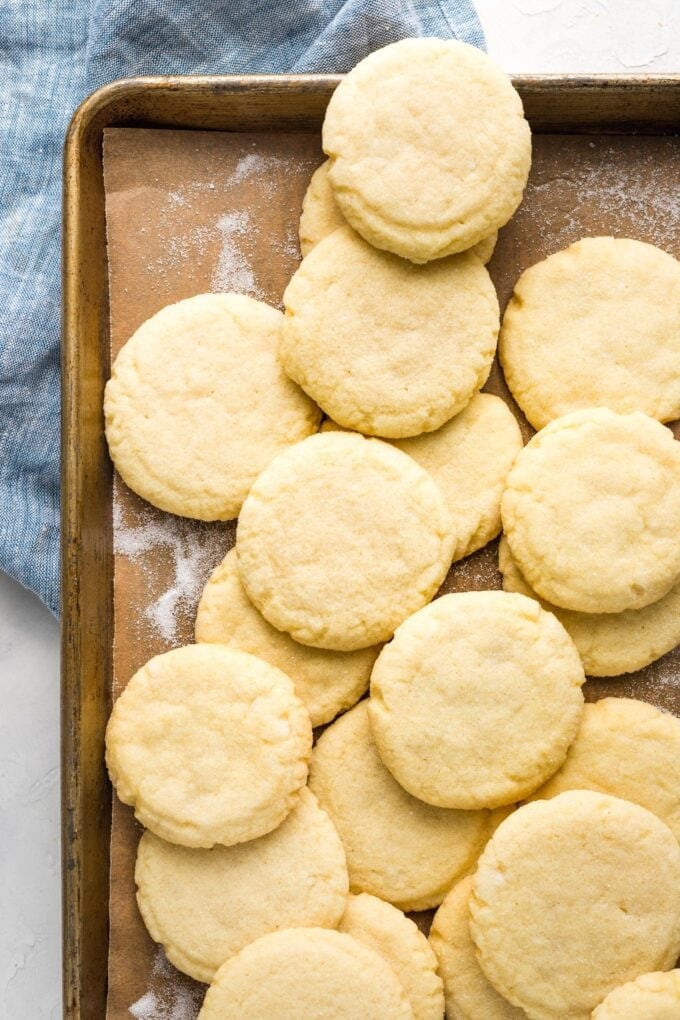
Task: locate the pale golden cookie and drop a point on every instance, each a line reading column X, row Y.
column 321, row 216
column 485, row 248
column 468, row 993
column 383, row 346
column 209, row 745
column 398, row 848
column 650, row 997
column 628, row 749
column 384, row 928
column 430, row 151
column 469, row 459
column 609, row 643
column 206, row 905
column 476, row 700
column 320, row 213
column 571, row 898
column 326, row 682
column 306, row 974
column 592, row 511
column 342, row 538
column 198, row 404
column 595, row 325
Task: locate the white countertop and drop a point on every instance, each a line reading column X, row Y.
column 525, row 36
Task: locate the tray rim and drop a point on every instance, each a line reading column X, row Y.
column 87, row 631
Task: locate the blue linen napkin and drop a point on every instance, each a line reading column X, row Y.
column 52, row 54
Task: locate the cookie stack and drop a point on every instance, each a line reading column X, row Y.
column 276, row 868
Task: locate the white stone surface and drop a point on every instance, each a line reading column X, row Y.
column 30, row 957
column 525, row 36
column 585, row 36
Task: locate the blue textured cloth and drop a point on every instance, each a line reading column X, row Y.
column 52, row 54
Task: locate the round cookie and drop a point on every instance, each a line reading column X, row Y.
column 325, row 682
column 386, row 930
column 628, row 749
column 209, row 745
column 430, row 151
column 342, row 538
column 383, row 346
column 398, row 848
column 591, row 511
column 304, row 973
column 603, row 870
column 469, row 458
column 595, row 325
column 321, row 216
column 485, row 248
column 205, row 905
column 467, row 991
column 320, row 213
column 476, row 700
column 198, row 404
column 609, row 643
column 650, row 997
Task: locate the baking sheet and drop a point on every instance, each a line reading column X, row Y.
column 193, row 211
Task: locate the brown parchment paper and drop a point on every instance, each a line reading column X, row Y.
column 192, row 211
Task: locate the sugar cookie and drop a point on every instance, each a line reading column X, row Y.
column 485, row 248
column 384, row 928
column 469, row 459
column 321, row 216
column 592, row 511
column 340, row 539
column 595, row 325
column 325, row 682
column 467, row 991
column 304, row 973
column 603, row 870
column 628, row 749
column 650, row 997
column 476, row 700
column 398, row 848
column 383, row 346
column 205, row 905
column 320, row 212
column 430, row 151
column 209, row 745
column 609, row 643
column 197, row 405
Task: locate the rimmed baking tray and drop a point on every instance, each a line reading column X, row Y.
column 646, row 110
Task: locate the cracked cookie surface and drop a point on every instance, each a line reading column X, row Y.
column 629, row 749
column 198, row 404
column 602, row 869
column 654, row 996
column 384, row 928
column 206, row 905
column 305, row 973
column 429, row 148
column 326, row 682
column 209, row 745
column 321, row 216
column 476, row 700
column 609, row 643
column 398, row 848
column 595, row 325
column 591, row 511
column 340, row 539
column 383, row 346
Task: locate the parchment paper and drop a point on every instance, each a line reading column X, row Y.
column 193, row 211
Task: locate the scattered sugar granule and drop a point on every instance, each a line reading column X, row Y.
column 175, row 199
column 171, row 996
column 195, row 549
column 233, row 271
